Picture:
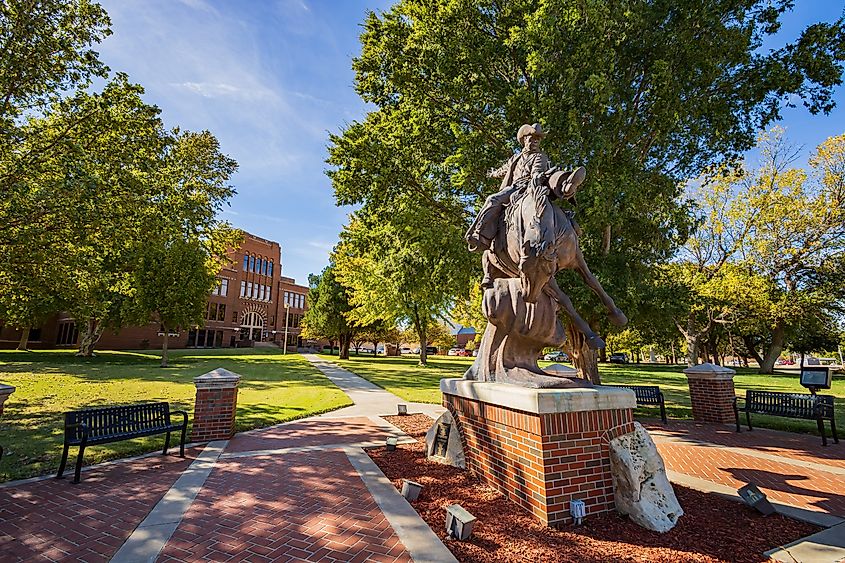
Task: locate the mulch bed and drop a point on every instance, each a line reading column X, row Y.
column 712, row 529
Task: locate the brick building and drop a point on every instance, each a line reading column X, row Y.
column 248, row 306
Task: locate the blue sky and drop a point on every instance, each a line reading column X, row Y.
column 271, row 79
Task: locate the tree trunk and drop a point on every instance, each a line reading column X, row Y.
column 92, row 330
column 343, row 351
column 775, row 348
column 603, row 353
column 752, row 349
column 420, row 326
column 24, row 343
column 583, row 358
column 164, row 348
column 375, row 348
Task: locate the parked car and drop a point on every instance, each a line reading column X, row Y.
column 431, row 349
column 452, row 352
column 404, row 350
column 618, row 358
column 463, row 353
column 556, row 357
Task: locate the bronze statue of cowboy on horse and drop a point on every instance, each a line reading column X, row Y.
column 525, row 240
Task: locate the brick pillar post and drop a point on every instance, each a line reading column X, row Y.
column 711, row 391
column 216, row 402
column 5, row 391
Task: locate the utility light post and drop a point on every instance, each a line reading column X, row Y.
column 287, row 316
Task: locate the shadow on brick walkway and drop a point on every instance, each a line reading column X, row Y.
column 792, row 469
column 55, row 520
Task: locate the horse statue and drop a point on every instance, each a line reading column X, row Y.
column 535, row 240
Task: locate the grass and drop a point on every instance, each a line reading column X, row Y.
column 274, row 388
column 403, row 377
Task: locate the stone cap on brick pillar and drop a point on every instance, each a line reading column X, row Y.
column 219, row 378
column 710, row 371
column 540, row 401
column 5, row 391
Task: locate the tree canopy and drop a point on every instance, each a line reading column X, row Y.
column 645, row 95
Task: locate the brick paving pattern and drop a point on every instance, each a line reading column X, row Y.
column 802, row 447
column 308, row 433
column 54, row 520
column 309, row 506
column 811, row 488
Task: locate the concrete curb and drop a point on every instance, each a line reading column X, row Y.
column 149, row 538
column 827, row 546
column 414, row 533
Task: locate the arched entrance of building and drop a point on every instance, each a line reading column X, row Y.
column 252, row 326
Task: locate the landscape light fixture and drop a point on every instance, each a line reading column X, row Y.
column 755, row 498
column 411, row 490
column 815, row 377
column 391, row 443
column 402, row 409
column 459, row 522
column 578, row 511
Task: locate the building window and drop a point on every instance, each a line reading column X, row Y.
column 252, row 263
column 224, row 287
column 234, row 316
column 221, row 312
column 255, row 291
column 246, row 262
column 269, row 292
column 66, row 334
column 243, row 289
column 271, row 270
column 249, row 289
column 261, row 292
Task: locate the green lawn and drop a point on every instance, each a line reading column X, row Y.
column 274, row 388
column 406, row 379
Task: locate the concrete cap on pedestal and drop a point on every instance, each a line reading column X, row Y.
column 540, row 401
column 5, row 391
column 709, row 371
column 217, row 379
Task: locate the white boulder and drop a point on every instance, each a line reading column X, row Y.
column 454, row 448
column 641, row 487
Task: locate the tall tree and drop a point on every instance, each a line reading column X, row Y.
column 399, row 270
column 328, row 310
column 644, row 94
column 172, row 284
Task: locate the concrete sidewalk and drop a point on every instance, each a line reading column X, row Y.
column 369, row 398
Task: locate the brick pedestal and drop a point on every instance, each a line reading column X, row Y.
column 216, row 402
column 711, row 391
column 542, row 448
column 5, row 391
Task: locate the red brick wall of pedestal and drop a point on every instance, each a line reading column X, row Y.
column 215, row 406
column 711, row 391
column 542, row 461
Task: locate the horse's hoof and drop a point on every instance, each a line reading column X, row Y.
column 618, row 318
column 595, row 342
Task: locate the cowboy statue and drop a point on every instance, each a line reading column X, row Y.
column 526, row 240
column 515, row 174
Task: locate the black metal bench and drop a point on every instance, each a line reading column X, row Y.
column 104, row 425
column 647, row 395
column 789, row 405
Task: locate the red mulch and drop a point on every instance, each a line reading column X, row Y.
column 712, row 529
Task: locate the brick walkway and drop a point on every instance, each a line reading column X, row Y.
column 308, row 506
column 792, row 469
column 54, row 520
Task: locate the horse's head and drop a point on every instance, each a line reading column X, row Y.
column 538, row 253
